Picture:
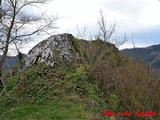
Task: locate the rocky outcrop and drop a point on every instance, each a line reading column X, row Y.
column 64, row 48
column 52, row 50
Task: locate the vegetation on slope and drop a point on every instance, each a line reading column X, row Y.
column 103, row 79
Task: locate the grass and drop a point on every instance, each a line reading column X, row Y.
column 43, row 93
column 58, row 109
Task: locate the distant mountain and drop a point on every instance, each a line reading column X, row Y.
column 149, row 55
column 11, row 60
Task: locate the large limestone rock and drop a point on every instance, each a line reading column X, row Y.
column 64, row 48
column 52, row 50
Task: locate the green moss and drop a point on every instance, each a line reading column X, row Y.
column 12, row 83
column 75, row 44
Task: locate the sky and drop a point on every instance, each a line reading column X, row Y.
column 137, row 18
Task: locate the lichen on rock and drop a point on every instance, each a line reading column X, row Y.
column 64, row 48
column 52, row 50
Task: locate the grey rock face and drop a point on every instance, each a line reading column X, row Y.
column 50, row 51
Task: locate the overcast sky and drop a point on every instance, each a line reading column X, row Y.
column 138, row 17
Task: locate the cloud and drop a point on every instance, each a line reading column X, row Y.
column 131, row 16
column 130, row 45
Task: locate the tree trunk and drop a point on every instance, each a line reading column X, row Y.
column 6, row 46
column 0, row 9
column 1, row 67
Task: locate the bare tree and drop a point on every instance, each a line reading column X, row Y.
column 19, row 25
column 104, row 33
column 81, row 34
column 133, row 42
column 119, row 40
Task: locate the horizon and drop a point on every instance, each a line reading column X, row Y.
column 137, row 18
column 120, row 48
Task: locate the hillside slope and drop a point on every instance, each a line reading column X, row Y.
column 80, row 81
column 149, row 55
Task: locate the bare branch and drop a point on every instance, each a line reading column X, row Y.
column 81, row 34
column 104, row 33
column 18, row 26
